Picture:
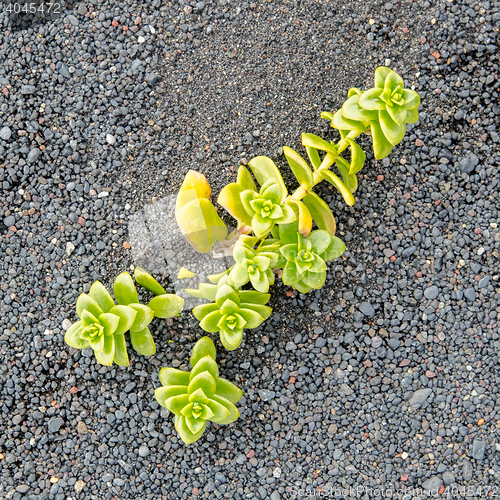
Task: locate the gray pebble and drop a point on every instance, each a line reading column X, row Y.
column 478, row 449
column 367, row 309
column 55, row 424
column 5, row 133
column 431, row 292
column 419, row 397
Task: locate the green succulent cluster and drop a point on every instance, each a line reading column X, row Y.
column 200, row 395
column 383, row 110
column 254, row 264
column 103, row 323
column 292, row 235
column 306, row 257
column 230, row 311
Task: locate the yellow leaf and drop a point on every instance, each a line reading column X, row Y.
column 184, row 273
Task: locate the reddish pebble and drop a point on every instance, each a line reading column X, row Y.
column 73, row 390
column 196, row 491
column 289, row 293
column 436, row 54
column 407, row 196
column 13, row 229
column 125, row 28
column 367, row 363
column 405, row 362
column 81, row 221
column 477, row 231
column 380, row 177
column 138, row 20
column 292, row 380
column 126, row 245
column 441, row 489
column 430, row 374
column 377, row 240
column 419, row 274
column 393, row 258
column 114, row 23
column 251, row 454
column 418, row 142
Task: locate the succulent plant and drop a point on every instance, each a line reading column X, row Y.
column 267, row 208
column 306, row 258
column 196, row 217
column 198, row 396
column 231, row 312
column 254, row 265
column 384, row 110
column 101, row 326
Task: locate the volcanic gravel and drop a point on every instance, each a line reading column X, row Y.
column 387, row 378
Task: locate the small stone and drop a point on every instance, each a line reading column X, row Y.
column 376, row 341
column 467, row 165
column 152, row 78
column 110, row 139
column 478, row 449
column 470, row 294
column 448, row 477
column 266, row 394
column 64, row 71
column 22, row 488
column 143, row 451
column 79, row 485
column 483, row 282
column 200, row 6
column 467, row 471
column 407, row 252
column 72, row 20
column 431, row 292
column 82, row 9
column 33, row 155
column 432, row 485
column 9, row 221
column 419, row 397
column 367, row 309
column 81, row 428
column 141, row 39
column 55, row 424
column 70, row 248
column 5, row 133
column 28, row 89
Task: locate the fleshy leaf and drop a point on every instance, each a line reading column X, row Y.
column 206, row 364
column 230, row 199
column 176, row 404
column 264, row 169
column 184, row 273
column 320, row 212
column 334, row 250
column 142, row 342
column 204, row 347
column 99, row 293
column 353, row 111
column 233, row 411
column 380, row 75
column 172, row 376
column 381, row 146
column 147, row 281
column 87, row 303
column 203, row 381
column 314, row 141
column 166, row 306
column 228, row 390
column 200, row 224
column 299, row 167
column 124, row 289
column 127, row 317
column 303, row 215
column 121, row 355
column 314, row 157
column 195, row 185
column 320, row 240
column 164, row 393
column 392, row 131
column 335, row 181
column 106, row 355
column 71, row 337
column 358, row 157
column 210, row 321
column 220, row 412
column 185, row 434
column 110, row 322
column 350, row 180
column 245, row 179
column 371, row 99
column 254, row 297
column 144, row 316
